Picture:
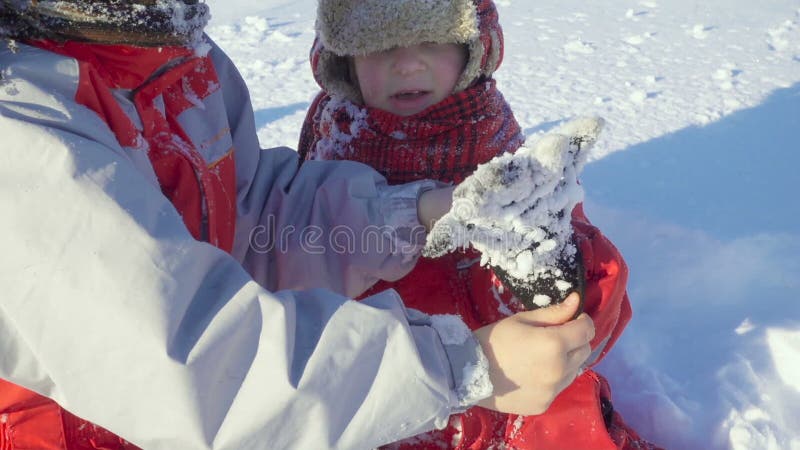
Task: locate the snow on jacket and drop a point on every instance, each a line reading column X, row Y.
column 416, row 147
column 446, row 142
column 112, row 176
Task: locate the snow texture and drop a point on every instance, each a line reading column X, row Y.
column 173, row 17
column 337, row 141
column 516, row 210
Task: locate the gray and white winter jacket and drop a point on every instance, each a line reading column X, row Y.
column 111, row 307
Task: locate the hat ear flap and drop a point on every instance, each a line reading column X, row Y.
column 334, row 73
column 485, row 51
column 472, row 70
column 494, row 56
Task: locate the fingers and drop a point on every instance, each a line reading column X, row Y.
column 577, row 357
column 574, row 362
column 553, row 315
column 577, row 333
column 530, row 364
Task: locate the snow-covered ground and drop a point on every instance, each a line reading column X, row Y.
column 693, row 179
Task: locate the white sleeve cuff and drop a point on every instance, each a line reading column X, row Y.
column 399, row 209
column 468, row 363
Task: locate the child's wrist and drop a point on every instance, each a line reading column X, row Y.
column 433, row 204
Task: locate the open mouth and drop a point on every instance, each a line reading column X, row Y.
column 410, row 95
column 410, row 101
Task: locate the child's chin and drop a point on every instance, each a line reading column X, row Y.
column 409, row 107
column 408, row 112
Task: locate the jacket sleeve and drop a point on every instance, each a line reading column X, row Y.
column 606, row 297
column 337, row 225
column 112, row 309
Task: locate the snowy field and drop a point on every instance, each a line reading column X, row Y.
column 695, row 179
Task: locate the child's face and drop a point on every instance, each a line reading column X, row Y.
column 407, row 80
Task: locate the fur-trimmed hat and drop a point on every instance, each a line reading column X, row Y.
column 348, row 28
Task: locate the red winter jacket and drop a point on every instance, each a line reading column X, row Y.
column 581, row 416
column 203, row 193
column 446, row 142
column 456, row 284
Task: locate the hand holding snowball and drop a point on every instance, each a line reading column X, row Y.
column 534, row 355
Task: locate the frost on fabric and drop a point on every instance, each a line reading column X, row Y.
column 337, row 142
column 475, row 382
column 399, row 135
column 516, row 210
column 169, row 16
column 516, row 426
column 502, row 307
column 451, row 329
column 184, row 19
column 190, row 95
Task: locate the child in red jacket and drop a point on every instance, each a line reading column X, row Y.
column 408, row 89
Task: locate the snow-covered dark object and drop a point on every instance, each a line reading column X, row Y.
column 138, row 22
column 516, row 211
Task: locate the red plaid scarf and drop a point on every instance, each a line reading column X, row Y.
column 445, row 142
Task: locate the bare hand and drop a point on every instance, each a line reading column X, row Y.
column 534, row 355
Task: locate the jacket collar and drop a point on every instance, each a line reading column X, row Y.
column 122, row 66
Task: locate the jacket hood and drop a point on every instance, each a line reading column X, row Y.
column 139, row 22
column 347, row 28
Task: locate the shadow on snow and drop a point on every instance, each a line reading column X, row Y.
column 269, row 115
column 734, row 177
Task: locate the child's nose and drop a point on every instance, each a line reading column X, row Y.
column 407, row 61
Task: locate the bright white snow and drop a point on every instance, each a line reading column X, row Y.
column 694, row 178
